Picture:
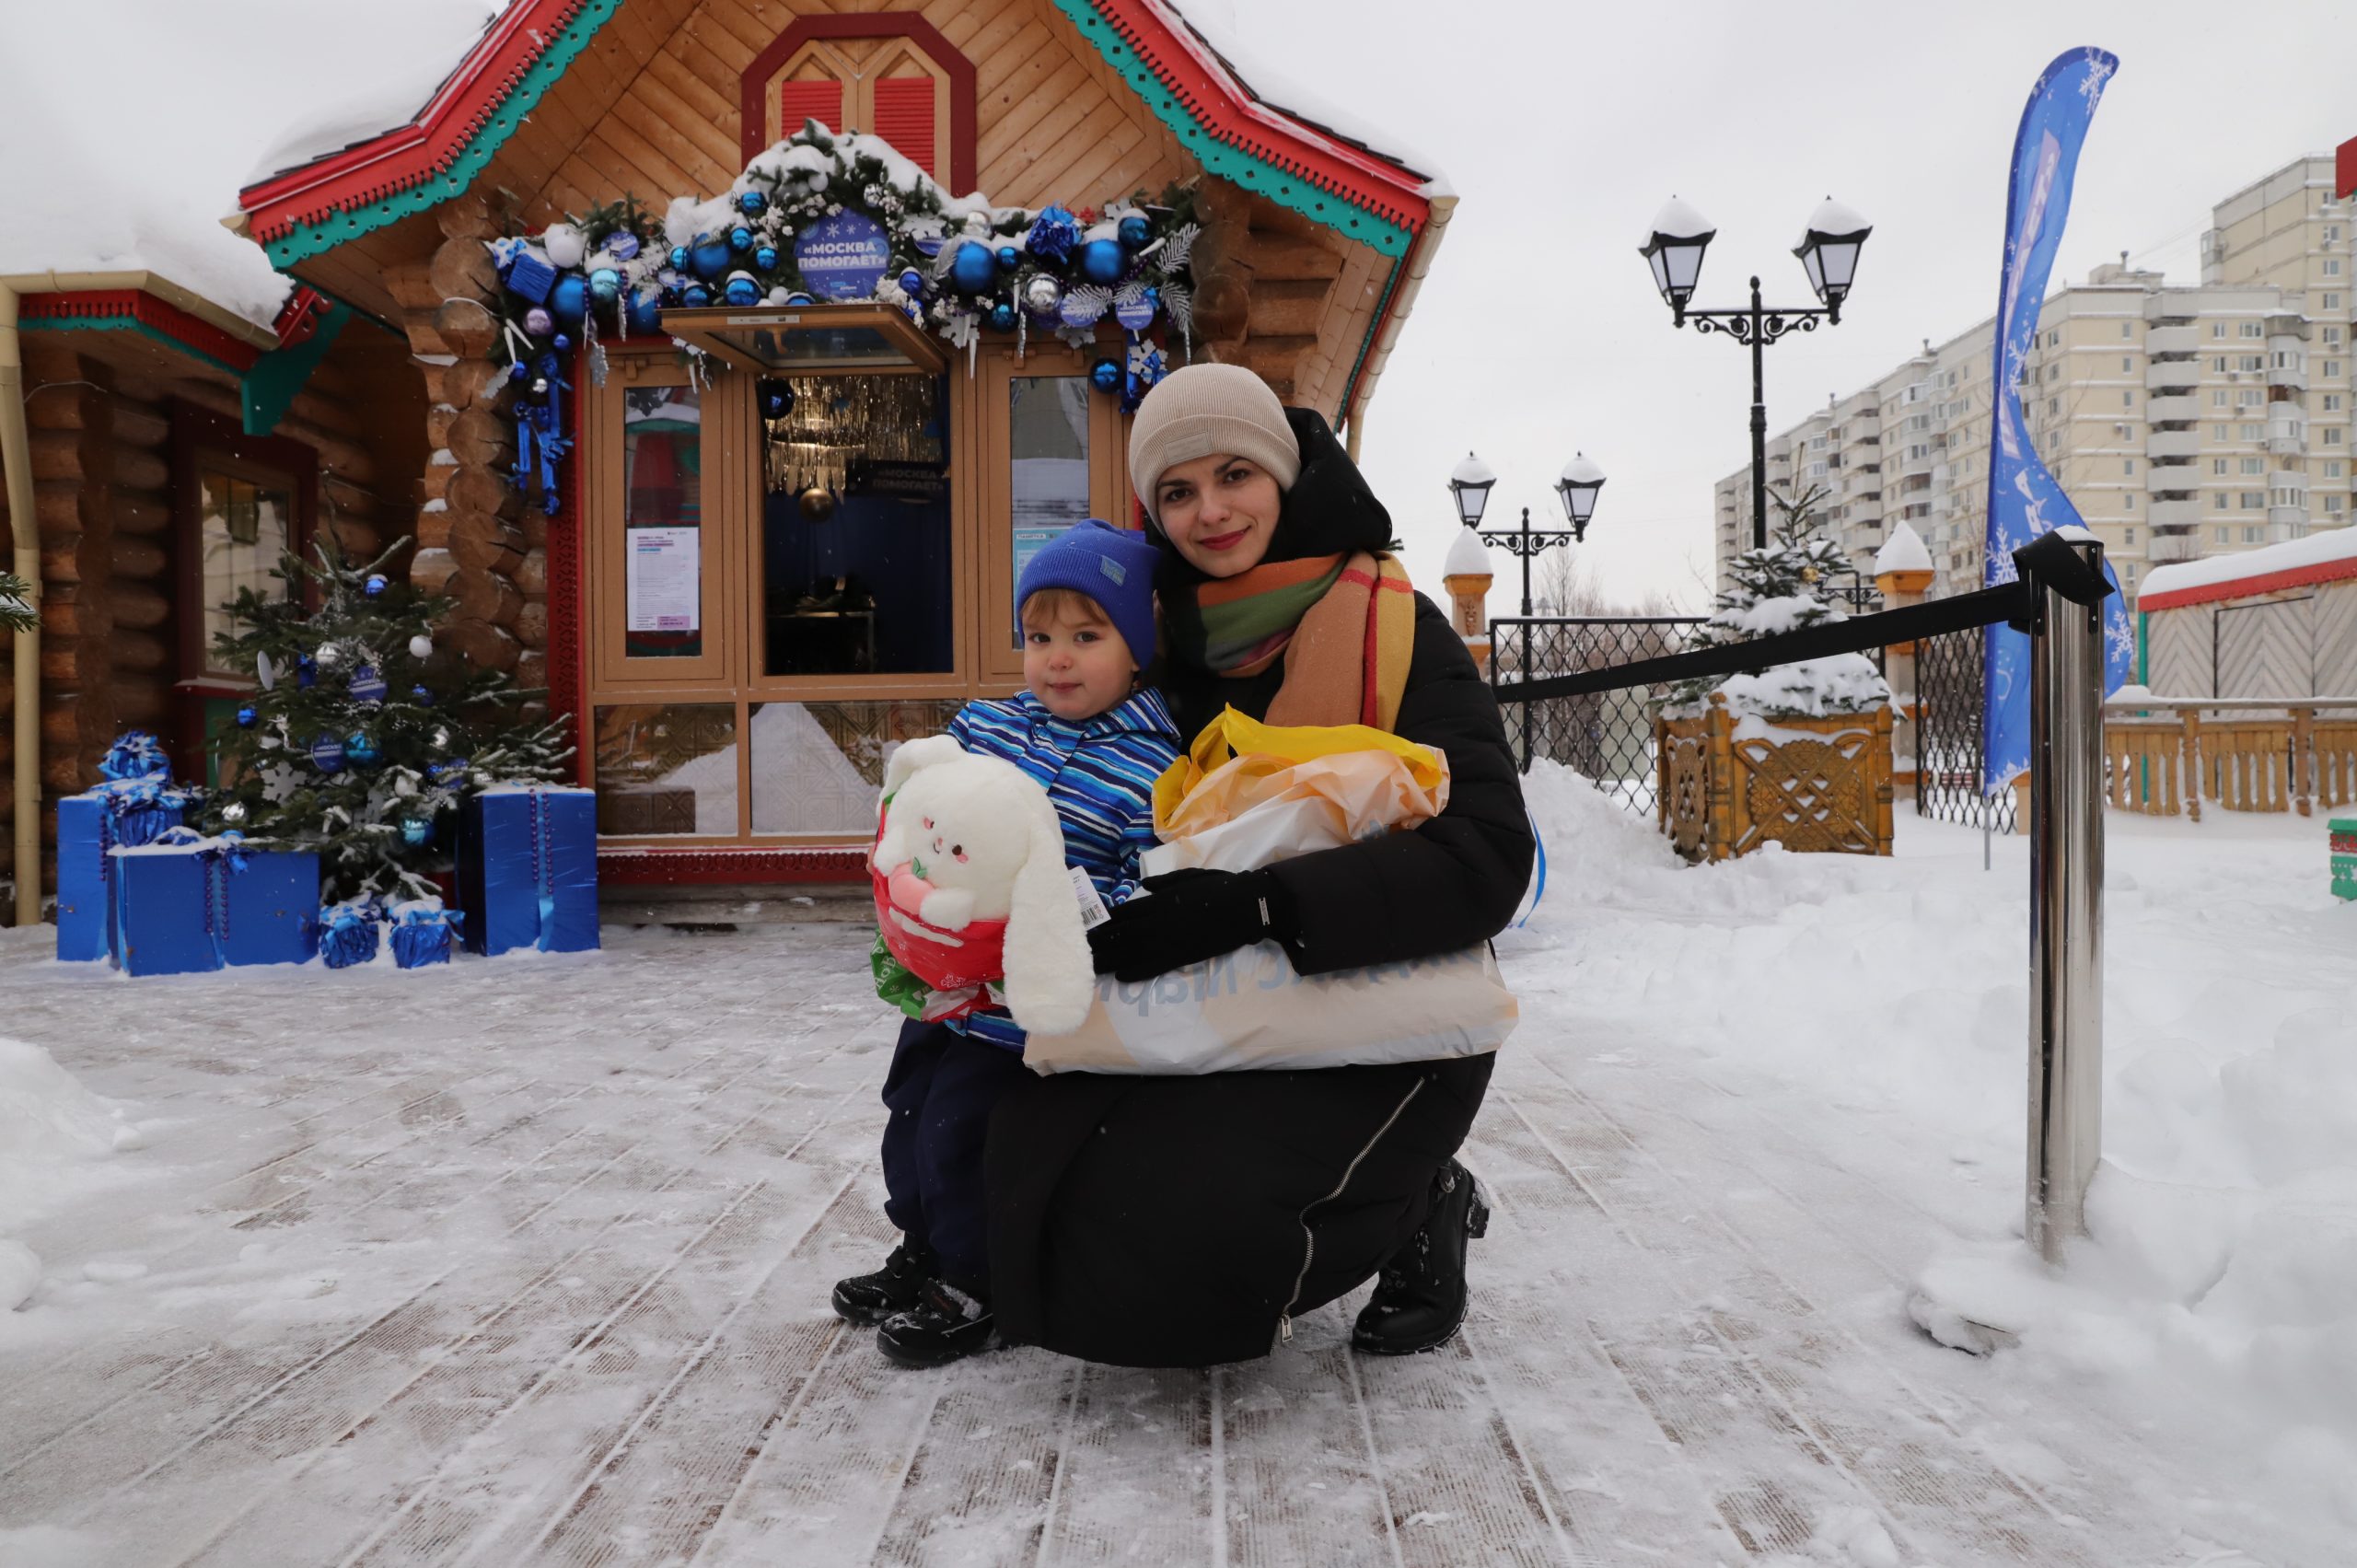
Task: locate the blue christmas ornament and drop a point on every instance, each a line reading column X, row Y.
column 973, row 269
column 569, row 297
column 695, row 296
column 1134, row 232
column 1053, row 234
column 606, row 284
column 623, row 245
column 1102, row 262
column 517, row 371
column 678, row 258
column 777, row 399
column 368, row 686
column 420, row 696
column 563, row 343
column 327, row 754
column 305, row 670
column 415, row 831
column 711, row 257
column 753, row 203
column 646, row 313
column 798, row 297
column 742, row 290
column 765, row 257
column 375, row 584
column 1106, row 375
column 913, row 283
column 247, row 717
column 1009, row 258
column 361, row 752
column 740, row 239
column 1003, row 317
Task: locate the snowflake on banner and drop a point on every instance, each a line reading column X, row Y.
column 2099, row 70
column 2119, row 635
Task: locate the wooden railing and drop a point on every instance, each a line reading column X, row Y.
column 2162, row 757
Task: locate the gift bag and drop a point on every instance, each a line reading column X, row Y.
column 527, row 869
column 1249, row 793
column 1245, row 795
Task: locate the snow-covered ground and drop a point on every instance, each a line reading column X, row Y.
column 527, row 1260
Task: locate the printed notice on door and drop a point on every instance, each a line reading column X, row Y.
column 666, row 579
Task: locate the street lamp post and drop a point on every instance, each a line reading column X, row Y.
column 1828, row 252
column 1469, row 486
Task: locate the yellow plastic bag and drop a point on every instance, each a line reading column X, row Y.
column 1249, row 793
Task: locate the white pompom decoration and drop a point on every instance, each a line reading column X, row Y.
column 566, row 244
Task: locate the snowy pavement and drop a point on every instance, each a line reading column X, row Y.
column 525, row 1262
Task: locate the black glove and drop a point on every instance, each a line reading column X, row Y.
column 1188, row 916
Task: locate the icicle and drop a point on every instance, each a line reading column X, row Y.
column 1022, row 334
column 597, row 349
column 972, row 346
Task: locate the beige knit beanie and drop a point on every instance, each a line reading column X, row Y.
column 1201, row 409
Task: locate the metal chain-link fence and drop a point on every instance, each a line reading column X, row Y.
column 1607, row 736
column 1948, row 751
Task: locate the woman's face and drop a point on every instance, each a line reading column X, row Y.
column 1219, row 512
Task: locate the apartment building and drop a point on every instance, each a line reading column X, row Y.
column 2184, row 421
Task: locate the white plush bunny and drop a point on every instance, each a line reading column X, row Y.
column 970, row 838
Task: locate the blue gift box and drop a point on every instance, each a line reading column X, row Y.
column 421, row 935
column 527, row 869
column 119, row 813
column 185, row 906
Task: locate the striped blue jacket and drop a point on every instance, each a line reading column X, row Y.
column 1099, row 773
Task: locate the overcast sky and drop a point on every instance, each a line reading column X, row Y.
column 1563, row 126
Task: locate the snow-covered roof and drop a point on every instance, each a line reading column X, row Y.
column 1467, row 557
column 143, row 151
column 2321, row 557
column 407, row 65
column 1902, row 552
column 1279, row 90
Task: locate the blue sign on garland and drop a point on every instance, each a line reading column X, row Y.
column 842, row 257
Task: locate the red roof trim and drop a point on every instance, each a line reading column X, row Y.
column 410, row 155
column 2344, row 168
column 2244, row 587
column 161, row 316
column 1226, row 106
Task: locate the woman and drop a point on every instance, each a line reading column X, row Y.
column 1182, row 1221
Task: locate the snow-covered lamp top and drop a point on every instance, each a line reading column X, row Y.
column 1467, row 557
column 1828, row 249
column 1469, row 484
column 1674, row 249
column 1582, row 478
column 1902, row 552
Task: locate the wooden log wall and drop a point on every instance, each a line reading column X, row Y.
column 477, row 540
column 1266, row 282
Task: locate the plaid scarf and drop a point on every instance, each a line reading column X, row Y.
column 1236, row 625
column 1345, row 625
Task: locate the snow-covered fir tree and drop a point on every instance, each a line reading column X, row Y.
column 15, row 603
column 1782, row 588
column 359, row 742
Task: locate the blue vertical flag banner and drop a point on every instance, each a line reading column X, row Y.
column 2024, row 499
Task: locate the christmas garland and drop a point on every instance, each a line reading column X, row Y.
column 957, row 265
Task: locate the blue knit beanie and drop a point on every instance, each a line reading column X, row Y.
column 1113, row 566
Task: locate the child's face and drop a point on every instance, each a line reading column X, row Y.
column 1074, row 662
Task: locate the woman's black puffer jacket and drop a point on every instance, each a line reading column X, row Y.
column 1173, row 1222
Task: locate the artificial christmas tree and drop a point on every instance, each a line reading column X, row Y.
column 362, row 740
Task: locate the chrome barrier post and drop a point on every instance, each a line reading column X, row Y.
column 2066, row 915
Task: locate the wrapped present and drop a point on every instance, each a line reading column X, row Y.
column 422, row 932
column 527, row 869
column 184, row 904
column 136, row 805
column 349, row 933
column 2344, row 857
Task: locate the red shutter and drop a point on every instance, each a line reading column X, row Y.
column 797, row 101
column 904, row 118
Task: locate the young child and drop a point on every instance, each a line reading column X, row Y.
column 1098, row 740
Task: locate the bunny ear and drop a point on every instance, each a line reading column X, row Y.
column 915, row 754
column 1050, row 978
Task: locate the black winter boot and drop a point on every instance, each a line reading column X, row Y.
column 947, row 1325
column 895, row 1287
column 1420, row 1296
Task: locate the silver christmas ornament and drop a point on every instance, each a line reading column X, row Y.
column 420, row 646
column 1043, row 294
column 234, row 811
column 326, row 656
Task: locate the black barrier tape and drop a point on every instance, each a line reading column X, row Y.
column 2047, row 561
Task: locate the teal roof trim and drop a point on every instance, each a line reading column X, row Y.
column 125, row 324
column 1231, row 163
column 308, row 240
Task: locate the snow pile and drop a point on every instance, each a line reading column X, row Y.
column 1844, row 683
column 1876, row 1001
column 50, row 1127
